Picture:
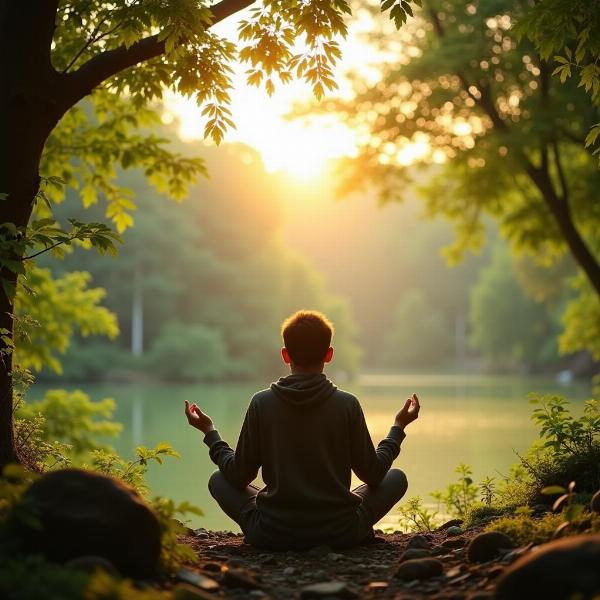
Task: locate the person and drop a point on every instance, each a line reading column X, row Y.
column 307, row 436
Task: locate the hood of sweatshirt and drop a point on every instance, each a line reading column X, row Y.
column 303, row 390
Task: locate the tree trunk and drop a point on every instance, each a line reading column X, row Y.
column 560, row 210
column 29, row 109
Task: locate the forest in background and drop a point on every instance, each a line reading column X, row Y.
column 199, row 288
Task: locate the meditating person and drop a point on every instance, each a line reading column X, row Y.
column 307, row 436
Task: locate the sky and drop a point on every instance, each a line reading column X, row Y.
column 295, row 147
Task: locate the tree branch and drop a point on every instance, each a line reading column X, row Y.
column 110, row 62
column 561, row 174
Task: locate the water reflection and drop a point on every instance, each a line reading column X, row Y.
column 478, row 420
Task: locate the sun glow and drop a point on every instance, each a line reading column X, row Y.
column 301, row 148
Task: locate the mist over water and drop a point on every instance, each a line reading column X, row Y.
column 478, row 420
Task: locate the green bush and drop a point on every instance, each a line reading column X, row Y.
column 188, row 352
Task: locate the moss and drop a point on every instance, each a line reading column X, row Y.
column 31, row 577
column 524, row 528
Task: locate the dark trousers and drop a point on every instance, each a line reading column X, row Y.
column 377, row 501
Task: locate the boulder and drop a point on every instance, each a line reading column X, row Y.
column 82, row 513
column 595, row 503
column 419, row 568
column 562, row 569
column 487, row 546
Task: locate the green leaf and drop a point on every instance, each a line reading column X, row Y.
column 552, row 490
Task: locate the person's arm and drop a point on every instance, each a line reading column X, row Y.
column 371, row 465
column 240, row 467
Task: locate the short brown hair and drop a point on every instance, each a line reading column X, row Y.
column 307, row 336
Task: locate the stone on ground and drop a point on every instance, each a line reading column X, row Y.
column 328, row 589
column 411, row 553
column 418, row 541
column 82, row 513
column 562, row 569
column 419, row 568
column 595, row 503
column 487, row 546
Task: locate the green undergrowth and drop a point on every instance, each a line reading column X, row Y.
column 524, row 528
column 561, row 468
column 61, row 431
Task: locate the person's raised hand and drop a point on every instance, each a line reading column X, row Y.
column 196, row 418
column 409, row 412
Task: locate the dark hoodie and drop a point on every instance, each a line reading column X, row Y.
column 307, row 436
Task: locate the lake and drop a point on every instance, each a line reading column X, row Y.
column 474, row 419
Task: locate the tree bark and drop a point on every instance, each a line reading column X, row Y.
column 561, row 212
column 29, row 109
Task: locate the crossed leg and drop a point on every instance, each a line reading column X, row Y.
column 377, row 501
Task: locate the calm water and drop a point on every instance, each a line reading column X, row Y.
column 473, row 419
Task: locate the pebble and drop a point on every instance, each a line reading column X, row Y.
column 487, row 546
column 238, row 578
column 289, row 571
column 411, row 553
column 319, row 551
column 377, row 585
column 198, row 580
column 595, row 503
column 418, row 541
column 327, row 589
column 335, row 556
column 419, row 568
column 451, row 523
column 184, row 591
column 453, row 542
column 213, row 567
column 454, row 530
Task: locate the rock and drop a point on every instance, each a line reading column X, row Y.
column 319, row 551
column 198, row 580
column 184, row 591
column 487, row 545
column 595, row 503
column 418, row 541
column 91, row 564
column 213, row 567
column 82, row 513
column 419, row 568
column 375, row 586
column 453, row 542
column 335, row 556
column 562, row 569
column 454, row 530
column 327, row 589
column 451, row 523
column 411, row 553
column 238, row 578
column 289, row 571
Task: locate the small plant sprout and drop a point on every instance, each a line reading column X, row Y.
column 570, row 511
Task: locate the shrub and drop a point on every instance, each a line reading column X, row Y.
column 414, row 516
column 189, row 353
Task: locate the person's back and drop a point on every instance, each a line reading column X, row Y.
column 308, row 437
